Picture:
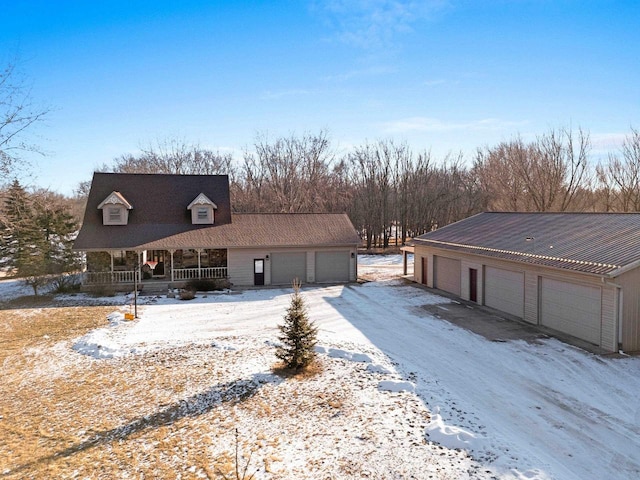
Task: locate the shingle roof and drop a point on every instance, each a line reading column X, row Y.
column 160, row 219
column 159, row 207
column 598, row 243
column 250, row 230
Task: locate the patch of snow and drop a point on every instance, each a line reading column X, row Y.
column 396, row 386
column 451, row 436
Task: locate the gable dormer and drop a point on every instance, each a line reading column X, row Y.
column 115, row 209
column 202, row 210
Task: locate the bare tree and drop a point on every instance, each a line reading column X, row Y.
column 174, row 156
column 549, row 174
column 18, row 113
column 620, row 177
column 287, row 175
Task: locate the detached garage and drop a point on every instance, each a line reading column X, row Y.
column 576, row 273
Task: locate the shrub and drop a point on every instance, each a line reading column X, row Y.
column 66, row 283
column 187, row 294
column 207, row 284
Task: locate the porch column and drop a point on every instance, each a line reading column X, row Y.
column 404, row 262
column 171, row 253
column 199, row 266
column 111, row 257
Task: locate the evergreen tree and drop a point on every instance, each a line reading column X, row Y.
column 298, row 334
column 36, row 236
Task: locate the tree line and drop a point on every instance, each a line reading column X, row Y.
column 391, row 192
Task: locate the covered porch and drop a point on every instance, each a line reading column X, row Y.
column 127, row 267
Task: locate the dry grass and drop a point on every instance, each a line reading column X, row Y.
column 174, row 412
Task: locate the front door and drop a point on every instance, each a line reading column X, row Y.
column 258, row 271
column 473, row 284
column 158, row 257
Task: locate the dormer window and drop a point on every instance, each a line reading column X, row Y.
column 202, row 210
column 115, row 209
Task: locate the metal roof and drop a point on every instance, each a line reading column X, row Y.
column 597, row 243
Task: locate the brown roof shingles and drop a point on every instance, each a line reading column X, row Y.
column 597, row 243
column 160, row 219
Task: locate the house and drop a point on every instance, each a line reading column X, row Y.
column 576, row 273
column 169, row 229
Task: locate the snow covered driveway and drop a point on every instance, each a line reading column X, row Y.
column 538, row 410
column 535, row 411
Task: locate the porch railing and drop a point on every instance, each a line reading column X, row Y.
column 126, row 276
column 121, row 276
column 204, row 272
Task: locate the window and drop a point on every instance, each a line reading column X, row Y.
column 115, row 215
column 115, row 209
column 119, row 258
column 202, row 210
column 203, row 214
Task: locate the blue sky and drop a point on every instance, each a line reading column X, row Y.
column 447, row 76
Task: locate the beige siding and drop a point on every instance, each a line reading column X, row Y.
column 240, row 266
column 531, row 297
column 630, row 282
column 609, row 318
column 465, row 280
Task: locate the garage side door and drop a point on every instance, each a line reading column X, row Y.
column 504, row 290
column 571, row 308
column 285, row 266
column 332, row 266
column 447, row 274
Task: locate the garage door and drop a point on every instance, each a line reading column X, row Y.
column 287, row 266
column 447, row 274
column 504, row 290
column 571, row 308
column 332, row 266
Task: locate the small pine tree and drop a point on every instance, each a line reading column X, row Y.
column 298, row 334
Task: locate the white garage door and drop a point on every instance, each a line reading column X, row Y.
column 571, row 308
column 504, row 290
column 447, row 274
column 287, row 266
column 332, row 266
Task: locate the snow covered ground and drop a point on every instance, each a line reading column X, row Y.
column 522, row 410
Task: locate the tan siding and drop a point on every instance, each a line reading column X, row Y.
column 240, row 266
column 630, row 310
column 418, row 255
column 609, row 315
column 311, row 267
column 465, row 281
column 531, row 297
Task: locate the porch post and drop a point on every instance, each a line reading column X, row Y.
column 171, row 253
column 404, row 262
column 111, row 257
column 199, row 266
